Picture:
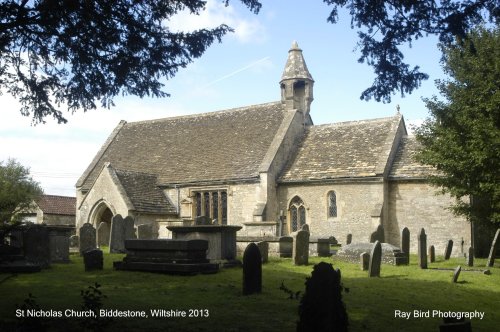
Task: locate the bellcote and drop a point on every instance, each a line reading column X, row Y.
column 296, row 82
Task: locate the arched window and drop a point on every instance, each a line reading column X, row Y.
column 332, row 204
column 297, row 213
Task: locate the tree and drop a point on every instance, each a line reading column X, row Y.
column 77, row 52
column 384, row 26
column 461, row 139
column 18, row 190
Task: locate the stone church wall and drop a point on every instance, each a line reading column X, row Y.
column 415, row 205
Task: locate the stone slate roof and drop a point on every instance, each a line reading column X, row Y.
column 61, row 205
column 143, row 193
column 214, row 146
column 405, row 166
column 353, row 149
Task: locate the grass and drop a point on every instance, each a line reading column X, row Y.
column 370, row 302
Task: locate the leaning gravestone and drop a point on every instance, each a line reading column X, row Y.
column 456, row 273
column 447, row 252
column 300, row 253
column 470, row 257
column 378, row 235
column 103, row 234
column 364, row 259
column 93, row 260
column 145, row 231
column 117, row 237
column 36, row 245
column 128, row 226
column 432, row 254
column 493, row 249
column 87, row 238
column 252, row 270
column 285, row 246
column 375, row 260
column 422, row 249
column 264, row 250
column 349, row 239
column 405, row 243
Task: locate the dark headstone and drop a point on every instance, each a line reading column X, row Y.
column 264, row 250
column 449, row 248
column 117, row 237
column 59, row 243
column 378, row 235
column 422, row 249
column 87, row 238
column 375, row 260
column 333, row 240
column 36, row 245
column 252, row 270
column 103, row 232
column 470, row 257
column 202, row 220
column 405, row 243
column 74, row 242
column 364, row 259
column 456, row 273
column 93, row 260
column 145, row 231
column 323, row 248
column 493, row 249
column 285, row 246
column 129, row 229
column 305, row 227
column 300, row 253
column 349, row 239
column 432, row 254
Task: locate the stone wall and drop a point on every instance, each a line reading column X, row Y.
column 55, row 219
column 414, row 204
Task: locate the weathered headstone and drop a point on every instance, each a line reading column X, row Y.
column 252, row 270
column 74, row 242
column 305, row 227
column 129, row 229
column 323, row 248
column 145, row 232
column 364, row 259
column 422, row 249
column 117, row 237
column 449, row 248
column 87, row 238
column 103, row 234
column 264, row 250
column 432, row 254
column 285, row 246
column 493, row 249
column 349, row 239
column 405, row 243
column 93, row 260
column 333, row 240
column 378, row 235
column 36, row 245
column 300, row 253
column 470, row 257
column 456, row 273
column 375, row 260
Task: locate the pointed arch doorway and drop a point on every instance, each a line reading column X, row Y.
column 102, row 222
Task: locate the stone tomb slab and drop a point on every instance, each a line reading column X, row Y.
column 390, row 254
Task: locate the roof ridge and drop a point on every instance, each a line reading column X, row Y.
column 132, row 171
column 355, row 122
column 58, row 196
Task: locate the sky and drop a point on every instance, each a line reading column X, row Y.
column 243, row 70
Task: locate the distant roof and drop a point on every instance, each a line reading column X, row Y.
column 353, row 149
column 223, row 145
column 143, row 192
column 62, row 205
column 405, row 165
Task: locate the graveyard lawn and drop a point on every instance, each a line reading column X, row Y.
column 371, row 302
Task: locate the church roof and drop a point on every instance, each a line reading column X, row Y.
column 355, row 149
column 61, row 205
column 143, row 192
column 405, row 166
column 224, row 145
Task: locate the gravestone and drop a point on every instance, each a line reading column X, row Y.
column 93, row 260
column 378, row 235
column 252, row 270
column 103, row 234
column 128, row 226
column 364, row 259
column 117, row 237
column 493, row 249
column 264, row 250
column 305, row 227
column 470, row 257
column 285, row 246
column 405, row 243
column 375, row 260
column 300, row 253
column 37, row 245
column 333, row 240
column 447, row 251
column 74, row 242
column 87, row 238
column 422, row 249
column 323, row 248
column 432, row 254
column 349, row 239
column 456, row 273
column 145, row 232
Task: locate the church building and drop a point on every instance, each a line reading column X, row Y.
column 269, row 169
